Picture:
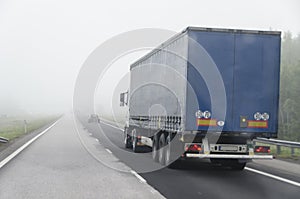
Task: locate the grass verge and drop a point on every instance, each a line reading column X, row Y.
column 14, row 127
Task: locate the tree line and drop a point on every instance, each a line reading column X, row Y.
column 289, row 107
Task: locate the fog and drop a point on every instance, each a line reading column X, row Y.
column 43, row 44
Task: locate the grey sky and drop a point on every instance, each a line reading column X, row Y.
column 44, row 43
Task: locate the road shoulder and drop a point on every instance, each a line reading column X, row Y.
column 281, row 168
column 8, row 148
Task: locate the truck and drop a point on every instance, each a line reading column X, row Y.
column 205, row 93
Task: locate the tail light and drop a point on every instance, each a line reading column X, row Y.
column 193, row 148
column 262, row 149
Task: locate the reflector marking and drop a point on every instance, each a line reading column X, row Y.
column 206, row 122
column 257, row 124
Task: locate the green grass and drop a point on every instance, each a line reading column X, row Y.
column 285, row 152
column 13, row 127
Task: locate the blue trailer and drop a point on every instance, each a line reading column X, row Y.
column 206, row 93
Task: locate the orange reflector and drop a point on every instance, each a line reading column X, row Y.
column 257, row 124
column 206, row 122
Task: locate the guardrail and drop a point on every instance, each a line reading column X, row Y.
column 3, row 140
column 279, row 143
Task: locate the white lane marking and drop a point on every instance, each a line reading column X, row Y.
column 19, row 150
column 153, row 191
column 246, row 168
column 141, row 179
column 273, row 176
column 112, row 126
column 109, row 151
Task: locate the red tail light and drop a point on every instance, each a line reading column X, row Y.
column 262, row 149
column 193, row 148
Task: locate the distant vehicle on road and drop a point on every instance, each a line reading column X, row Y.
column 94, row 118
column 179, row 108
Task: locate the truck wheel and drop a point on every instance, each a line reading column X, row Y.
column 171, row 154
column 127, row 139
column 135, row 148
column 154, row 149
column 161, row 153
column 168, row 160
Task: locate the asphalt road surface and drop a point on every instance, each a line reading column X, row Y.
column 58, row 165
column 72, row 160
column 200, row 179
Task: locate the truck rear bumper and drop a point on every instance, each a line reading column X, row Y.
column 225, row 156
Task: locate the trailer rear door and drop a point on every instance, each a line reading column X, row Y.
column 256, row 81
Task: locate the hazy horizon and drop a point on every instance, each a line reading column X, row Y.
column 43, row 44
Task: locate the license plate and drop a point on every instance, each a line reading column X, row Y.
column 228, row 148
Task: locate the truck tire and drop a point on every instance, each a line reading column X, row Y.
column 172, row 153
column 168, row 151
column 155, row 148
column 127, row 139
column 161, row 152
column 135, row 147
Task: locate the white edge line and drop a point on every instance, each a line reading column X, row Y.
column 112, row 126
column 19, row 150
column 138, row 176
column 109, row 151
column 273, row 176
column 247, row 168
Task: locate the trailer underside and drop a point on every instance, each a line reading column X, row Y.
column 168, row 147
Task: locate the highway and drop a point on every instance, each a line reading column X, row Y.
column 57, row 165
column 72, row 160
column 200, row 179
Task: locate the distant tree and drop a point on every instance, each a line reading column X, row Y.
column 289, row 111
